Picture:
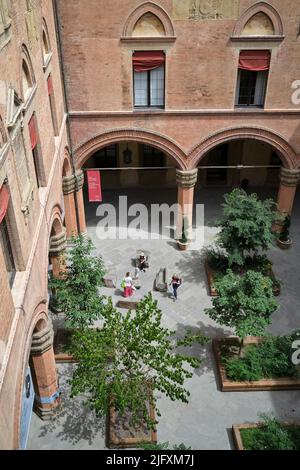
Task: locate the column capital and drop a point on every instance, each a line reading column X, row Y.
column 187, row 178
column 42, row 341
column 79, row 178
column 58, row 244
column 69, row 184
column 289, row 177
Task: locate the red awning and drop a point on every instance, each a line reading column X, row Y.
column 148, row 60
column 255, row 61
column 4, row 200
column 50, row 85
column 32, row 132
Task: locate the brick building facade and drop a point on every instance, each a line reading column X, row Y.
column 202, row 102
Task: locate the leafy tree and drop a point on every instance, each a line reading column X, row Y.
column 76, row 293
column 130, row 358
column 284, row 235
column 246, row 226
column 245, row 303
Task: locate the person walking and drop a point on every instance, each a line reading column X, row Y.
column 128, row 286
column 175, row 283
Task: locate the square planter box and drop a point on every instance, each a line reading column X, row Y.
column 237, row 428
column 284, row 383
column 211, row 275
column 120, row 435
column 61, row 340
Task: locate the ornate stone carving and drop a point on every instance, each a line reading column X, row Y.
column 205, row 9
column 58, row 244
column 289, row 177
column 69, row 184
column 79, row 180
column 186, row 179
column 42, row 341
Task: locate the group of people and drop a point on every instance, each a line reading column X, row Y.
column 129, row 284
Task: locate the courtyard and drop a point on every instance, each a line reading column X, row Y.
column 205, row 423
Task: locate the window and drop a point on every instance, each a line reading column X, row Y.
column 149, row 79
column 252, row 88
column 46, row 45
column 36, row 151
column 106, row 157
column 21, row 165
column 252, row 78
column 152, row 157
column 4, row 235
column 52, row 105
column 5, row 22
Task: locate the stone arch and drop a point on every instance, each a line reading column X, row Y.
column 260, row 7
column 67, row 167
column 141, row 10
column 39, row 318
column 56, row 224
column 278, row 143
column 86, row 149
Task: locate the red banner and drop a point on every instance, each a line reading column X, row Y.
column 94, row 185
column 4, row 199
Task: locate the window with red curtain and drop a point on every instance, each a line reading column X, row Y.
column 255, row 61
column 149, row 79
column 252, row 78
column 33, row 132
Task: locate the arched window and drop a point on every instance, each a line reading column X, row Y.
column 259, row 25
column 148, row 20
column 149, row 25
column 260, row 22
column 28, row 81
column 46, row 45
column 5, row 22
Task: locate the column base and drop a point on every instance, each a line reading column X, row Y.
column 47, row 412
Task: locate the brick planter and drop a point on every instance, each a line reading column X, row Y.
column 121, row 435
column 237, row 428
column 212, row 273
column 284, row 383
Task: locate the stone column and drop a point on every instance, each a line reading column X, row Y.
column 80, row 202
column 56, row 254
column 289, row 180
column 44, row 374
column 186, row 181
column 69, row 186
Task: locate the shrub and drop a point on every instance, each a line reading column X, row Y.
column 272, row 358
column 272, row 435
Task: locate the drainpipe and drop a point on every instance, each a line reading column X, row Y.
column 65, row 98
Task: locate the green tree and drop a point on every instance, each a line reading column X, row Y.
column 131, row 357
column 245, row 303
column 76, row 292
column 246, row 226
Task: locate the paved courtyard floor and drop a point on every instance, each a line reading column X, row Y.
column 206, row 421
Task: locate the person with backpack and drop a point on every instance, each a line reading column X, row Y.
column 175, row 283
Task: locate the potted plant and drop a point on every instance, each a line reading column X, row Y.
column 183, row 241
column 283, row 241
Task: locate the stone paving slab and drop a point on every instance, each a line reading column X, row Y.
column 206, row 421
